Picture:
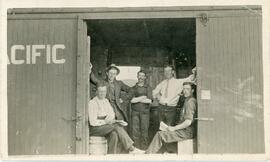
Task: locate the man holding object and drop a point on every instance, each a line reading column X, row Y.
column 140, row 115
column 186, row 126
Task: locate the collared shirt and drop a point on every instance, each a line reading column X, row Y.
column 138, row 91
column 98, row 110
column 175, row 87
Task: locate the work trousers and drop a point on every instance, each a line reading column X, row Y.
column 162, row 138
column 116, row 137
column 140, row 126
column 167, row 114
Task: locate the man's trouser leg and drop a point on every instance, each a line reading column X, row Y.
column 167, row 137
column 167, row 114
column 124, row 137
column 163, row 137
column 144, row 124
column 135, row 117
column 118, row 114
column 114, row 134
column 110, row 134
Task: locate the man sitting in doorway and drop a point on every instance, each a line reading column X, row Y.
column 185, row 128
column 102, row 123
column 140, row 107
column 168, row 93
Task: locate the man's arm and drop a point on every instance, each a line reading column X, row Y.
column 149, row 96
column 183, row 125
column 127, row 89
column 138, row 99
column 192, row 77
column 111, row 112
column 156, row 91
column 93, row 78
column 111, row 115
column 190, row 107
column 92, row 114
column 124, row 87
column 147, row 101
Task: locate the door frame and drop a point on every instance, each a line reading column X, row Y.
column 82, row 85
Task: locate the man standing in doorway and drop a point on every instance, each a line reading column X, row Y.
column 186, row 126
column 140, row 107
column 114, row 88
column 168, row 93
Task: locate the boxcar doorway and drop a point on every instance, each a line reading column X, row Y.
column 148, row 44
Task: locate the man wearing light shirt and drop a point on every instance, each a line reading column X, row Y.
column 102, row 123
column 168, row 93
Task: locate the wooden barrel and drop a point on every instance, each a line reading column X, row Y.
column 97, row 145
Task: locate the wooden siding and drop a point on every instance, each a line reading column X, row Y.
column 42, row 97
column 229, row 61
column 83, row 59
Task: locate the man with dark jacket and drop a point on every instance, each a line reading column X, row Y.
column 114, row 88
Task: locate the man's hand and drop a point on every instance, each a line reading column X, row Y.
column 90, row 68
column 194, row 70
column 109, row 121
column 147, row 101
column 138, row 99
column 120, row 100
column 194, row 75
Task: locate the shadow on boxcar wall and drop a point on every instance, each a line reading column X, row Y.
column 236, row 105
column 248, row 101
column 239, row 98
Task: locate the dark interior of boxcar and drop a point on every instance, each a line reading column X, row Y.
column 145, row 43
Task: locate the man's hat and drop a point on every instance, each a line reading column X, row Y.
column 113, row 66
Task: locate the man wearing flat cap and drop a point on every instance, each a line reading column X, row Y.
column 114, row 88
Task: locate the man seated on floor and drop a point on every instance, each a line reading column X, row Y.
column 185, row 128
column 102, row 123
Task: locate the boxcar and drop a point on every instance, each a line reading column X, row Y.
column 48, row 81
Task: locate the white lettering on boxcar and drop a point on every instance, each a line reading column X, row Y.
column 29, row 54
column 35, row 53
column 13, row 54
column 54, row 53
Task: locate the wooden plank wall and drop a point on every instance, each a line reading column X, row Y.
column 83, row 59
column 229, row 61
column 41, row 97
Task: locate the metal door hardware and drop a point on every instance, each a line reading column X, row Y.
column 204, row 119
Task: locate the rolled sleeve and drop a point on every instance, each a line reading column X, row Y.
column 190, row 109
column 157, row 90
